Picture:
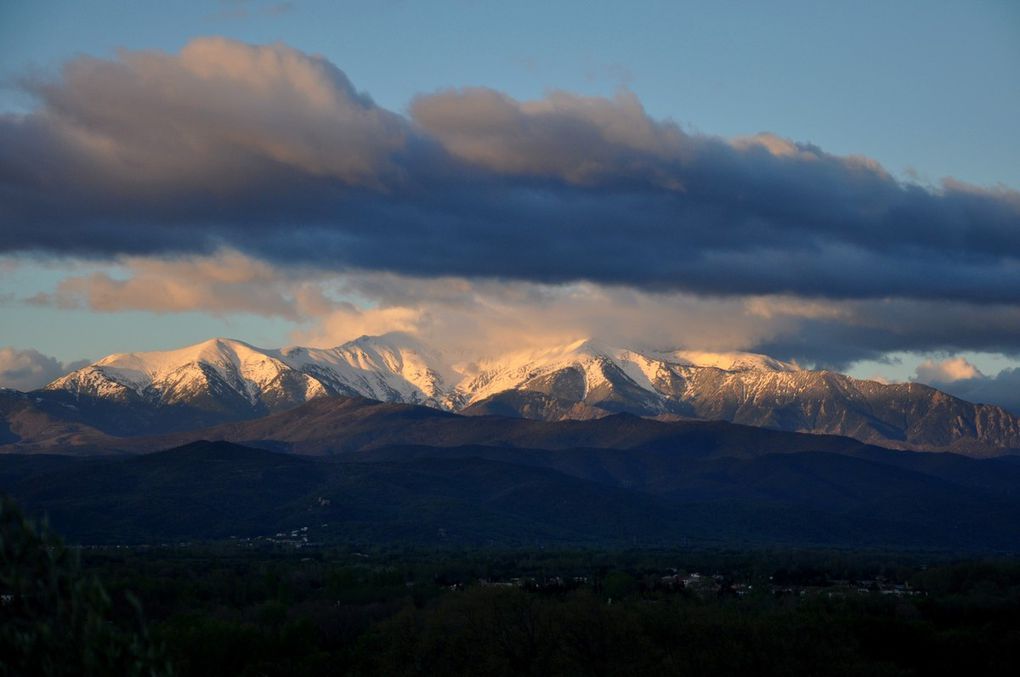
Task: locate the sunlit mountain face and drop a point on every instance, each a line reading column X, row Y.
column 223, row 380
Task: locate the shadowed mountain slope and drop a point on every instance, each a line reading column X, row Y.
column 343, row 425
column 505, row 496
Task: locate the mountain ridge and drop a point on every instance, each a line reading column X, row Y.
column 510, row 496
column 222, row 380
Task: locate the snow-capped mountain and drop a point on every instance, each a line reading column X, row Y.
column 605, row 378
column 223, row 379
column 228, row 374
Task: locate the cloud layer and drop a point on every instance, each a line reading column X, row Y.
column 223, row 284
column 273, row 152
column 230, row 178
column 484, row 316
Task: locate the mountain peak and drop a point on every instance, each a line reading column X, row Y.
column 728, row 361
column 225, row 379
column 393, row 338
column 203, row 351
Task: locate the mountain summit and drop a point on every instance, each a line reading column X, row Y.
column 230, row 374
column 223, row 379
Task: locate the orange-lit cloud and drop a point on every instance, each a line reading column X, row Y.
column 488, row 316
column 228, row 282
column 947, row 371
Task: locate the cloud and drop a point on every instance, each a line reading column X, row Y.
column 274, row 153
column 215, row 124
column 579, row 140
column 963, row 380
column 224, row 283
column 30, row 369
column 231, row 178
column 476, row 319
column 348, row 322
column 471, row 316
column 947, row 371
column 485, row 316
column 868, row 329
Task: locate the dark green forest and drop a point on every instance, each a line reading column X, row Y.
column 240, row 609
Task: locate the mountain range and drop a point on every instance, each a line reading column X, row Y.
column 382, row 440
column 223, row 380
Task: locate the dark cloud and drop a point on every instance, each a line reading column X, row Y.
column 274, row 152
column 868, row 330
column 30, row 369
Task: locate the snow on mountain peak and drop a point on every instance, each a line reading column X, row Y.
column 392, row 367
column 727, row 361
column 179, row 373
column 226, row 379
column 518, row 368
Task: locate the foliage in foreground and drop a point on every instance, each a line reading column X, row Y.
column 237, row 611
column 54, row 620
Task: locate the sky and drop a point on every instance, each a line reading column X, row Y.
column 833, row 183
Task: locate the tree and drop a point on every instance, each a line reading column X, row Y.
column 54, row 620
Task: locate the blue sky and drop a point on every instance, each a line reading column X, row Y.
column 928, row 89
